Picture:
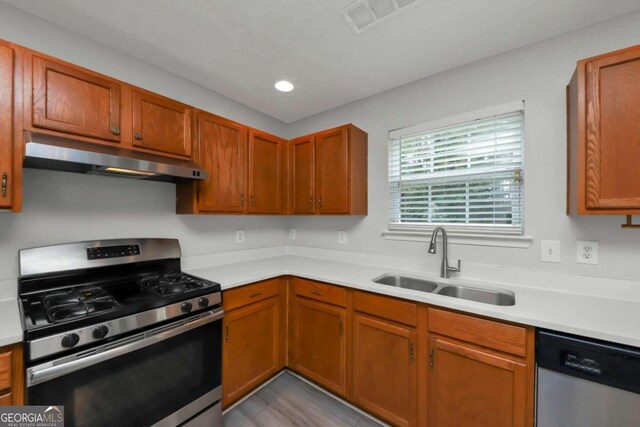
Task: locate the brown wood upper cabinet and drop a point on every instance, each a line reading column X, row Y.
column 73, row 100
column 267, row 173
column 302, row 155
column 161, row 124
column 223, row 153
column 329, row 172
column 604, row 134
column 7, row 57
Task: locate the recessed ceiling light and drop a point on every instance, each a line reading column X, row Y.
column 284, row 86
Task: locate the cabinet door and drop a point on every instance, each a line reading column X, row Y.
column 251, row 348
column 318, row 343
column 332, row 172
column 6, row 126
column 472, row 387
column 161, row 124
column 613, row 132
column 223, row 153
column 71, row 100
column 384, row 368
column 302, row 170
column 267, row 191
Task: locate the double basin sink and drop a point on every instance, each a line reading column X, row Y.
column 483, row 295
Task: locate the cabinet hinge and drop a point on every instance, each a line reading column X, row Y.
column 410, row 350
column 431, row 358
column 341, row 328
column 226, row 338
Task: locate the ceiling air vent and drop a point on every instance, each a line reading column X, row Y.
column 365, row 14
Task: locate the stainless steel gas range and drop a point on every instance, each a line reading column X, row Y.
column 119, row 335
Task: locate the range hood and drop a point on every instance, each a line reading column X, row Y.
column 68, row 155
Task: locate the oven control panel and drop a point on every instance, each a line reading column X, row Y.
column 103, row 252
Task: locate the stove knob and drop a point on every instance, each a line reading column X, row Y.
column 203, row 302
column 186, row 307
column 100, row 332
column 70, row 340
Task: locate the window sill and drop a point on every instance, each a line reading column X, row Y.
column 459, row 238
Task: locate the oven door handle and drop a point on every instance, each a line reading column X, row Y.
column 56, row 368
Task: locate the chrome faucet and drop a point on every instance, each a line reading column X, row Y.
column 446, row 269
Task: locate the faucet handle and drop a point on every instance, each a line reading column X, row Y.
column 454, row 269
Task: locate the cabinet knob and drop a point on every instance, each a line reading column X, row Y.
column 5, row 178
column 115, row 131
column 311, row 202
column 138, row 136
column 242, row 200
column 320, row 201
column 252, row 200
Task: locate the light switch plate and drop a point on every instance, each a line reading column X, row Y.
column 587, row 252
column 342, row 237
column 550, row 251
column 292, row 234
column 239, row 236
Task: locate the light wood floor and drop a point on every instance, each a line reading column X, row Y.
column 289, row 401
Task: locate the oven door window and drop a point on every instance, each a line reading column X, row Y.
column 138, row 388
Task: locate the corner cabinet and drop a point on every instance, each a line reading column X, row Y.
column 7, row 177
column 329, row 172
column 318, row 334
column 604, row 135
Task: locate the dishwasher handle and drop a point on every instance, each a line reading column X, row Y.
column 607, row 363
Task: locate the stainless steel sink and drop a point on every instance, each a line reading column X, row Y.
column 406, row 282
column 483, row 295
column 487, row 296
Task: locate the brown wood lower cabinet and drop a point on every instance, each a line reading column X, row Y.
column 404, row 362
column 480, row 372
column 318, row 344
column 384, row 369
column 11, row 375
column 253, row 343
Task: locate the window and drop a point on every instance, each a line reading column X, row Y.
column 466, row 176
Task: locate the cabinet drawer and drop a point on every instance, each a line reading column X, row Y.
column 386, row 307
column 483, row 332
column 320, row 291
column 249, row 294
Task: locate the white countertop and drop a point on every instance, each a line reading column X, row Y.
column 10, row 323
column 568, row 310
column 608, row 319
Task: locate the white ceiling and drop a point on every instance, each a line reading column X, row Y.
column 239, row 48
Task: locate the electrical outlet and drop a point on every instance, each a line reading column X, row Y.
column 587, row 252
column 292, row 233
column 550, row 251
column 342, row 237
column 239, row 236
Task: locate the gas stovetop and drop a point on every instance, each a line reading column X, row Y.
column 52, row 311
column 81, row 293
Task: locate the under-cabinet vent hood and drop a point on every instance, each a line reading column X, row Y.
column 55, row 153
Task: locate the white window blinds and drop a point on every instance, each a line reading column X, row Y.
column 467, row 176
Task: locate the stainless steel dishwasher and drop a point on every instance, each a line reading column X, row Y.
column 586, row 383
